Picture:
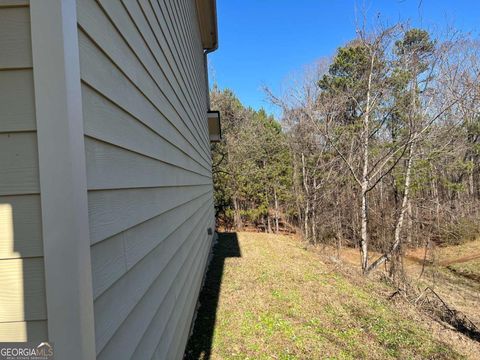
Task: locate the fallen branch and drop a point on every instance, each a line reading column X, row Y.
column 453, row 317
column 433, row 305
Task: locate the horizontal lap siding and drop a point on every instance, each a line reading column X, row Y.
column 17, row 100
column 15, row 40
column 22, row 331
column 23, row 315
column 148, row 171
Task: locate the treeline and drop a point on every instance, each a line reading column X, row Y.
column 378, row 147
column 252, row 166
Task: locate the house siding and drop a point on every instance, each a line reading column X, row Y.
column 23, row 315
column 150, row 193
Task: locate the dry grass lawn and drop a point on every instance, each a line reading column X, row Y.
column 268, row 297
column 469, row 269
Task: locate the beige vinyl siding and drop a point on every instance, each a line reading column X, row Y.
column 25, row 230
column 148, row 164
column 23, row 315
column 20, row 331
column 17, row 101
column 15, row 40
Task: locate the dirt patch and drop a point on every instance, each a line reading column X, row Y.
column 460, row 260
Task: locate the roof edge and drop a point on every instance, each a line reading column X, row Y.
column 207, row 21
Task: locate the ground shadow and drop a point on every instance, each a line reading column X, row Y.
column 200, row 342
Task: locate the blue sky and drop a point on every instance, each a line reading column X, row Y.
column 263, row 41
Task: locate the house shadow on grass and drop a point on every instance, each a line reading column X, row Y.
column 199, row 344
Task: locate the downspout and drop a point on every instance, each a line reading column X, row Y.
column 205, row 62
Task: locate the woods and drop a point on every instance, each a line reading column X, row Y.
column 377, row 148
column 251, row 167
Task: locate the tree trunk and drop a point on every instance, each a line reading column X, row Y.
column 276, row 210
column 297, row 189
column 307, row 198
column 364, row 230
column 409, row 221
column 305, row 219
column 237, row 216
column 365, row 181
column 314, row 212
column 471, row 181
column 399, row 225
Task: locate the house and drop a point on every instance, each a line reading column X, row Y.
column 106, row 197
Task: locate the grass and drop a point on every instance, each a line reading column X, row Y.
column 469, row 269
column 448, row 254
column 277, row 300
column 455, row 276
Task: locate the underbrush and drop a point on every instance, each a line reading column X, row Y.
column 458, row 232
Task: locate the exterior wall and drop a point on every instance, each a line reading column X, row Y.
column 23, row 312
column 148, row 162
column 145, row 155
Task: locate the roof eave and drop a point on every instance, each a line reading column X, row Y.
column 207, row 20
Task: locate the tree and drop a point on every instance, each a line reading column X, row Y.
column 252, row 166
column 388, row 124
